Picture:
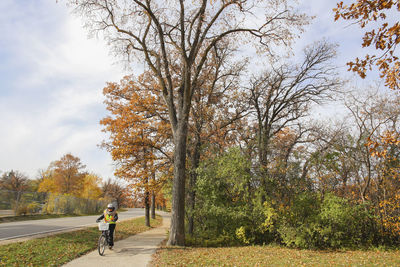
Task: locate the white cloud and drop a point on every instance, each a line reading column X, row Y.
column 54, row 104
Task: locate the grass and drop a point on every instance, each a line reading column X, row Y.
column 61, row 248
column 272, row 256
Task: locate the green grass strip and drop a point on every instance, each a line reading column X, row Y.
column 58, row 249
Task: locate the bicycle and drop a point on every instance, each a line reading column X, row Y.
column 103, row 239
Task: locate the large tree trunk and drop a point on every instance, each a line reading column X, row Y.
column 195, row 160
column 177, row 229
column 153, row 205
column 147, row 207
column 153, row 196
column 146, row 193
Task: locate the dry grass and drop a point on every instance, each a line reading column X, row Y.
column 272, row 256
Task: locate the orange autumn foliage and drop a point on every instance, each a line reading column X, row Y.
column 67, row 176
column 384, row 37
column 64, row 176
column 387, row 148
column 140, row 133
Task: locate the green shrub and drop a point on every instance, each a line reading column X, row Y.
column 297, row 224
column 222, row 196
column 222, row 240
column 329, row 223
column 344, row 225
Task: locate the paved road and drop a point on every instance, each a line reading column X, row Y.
column 37, row 227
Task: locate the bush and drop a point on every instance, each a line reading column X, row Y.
column 260, row 227
column 223, row 199
column 22, row 209
column 297, row 224
column 221, row 240
column 344, row 225
column 329, row 223
column 67, row 204
column 33, row 207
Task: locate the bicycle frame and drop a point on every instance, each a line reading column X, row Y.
column 103, row 241
column 106, row 233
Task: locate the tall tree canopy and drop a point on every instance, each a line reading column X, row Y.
column 183, row 35
column 281, row 97
column 140, row 133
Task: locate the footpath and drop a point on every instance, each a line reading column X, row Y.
column 132, row 251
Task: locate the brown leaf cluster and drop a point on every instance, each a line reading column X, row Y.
column 384, row 37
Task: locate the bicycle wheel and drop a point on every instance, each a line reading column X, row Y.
column 101, row 245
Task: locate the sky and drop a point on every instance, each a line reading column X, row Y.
column 52, row 76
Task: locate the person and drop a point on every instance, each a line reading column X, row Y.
column 110, row 216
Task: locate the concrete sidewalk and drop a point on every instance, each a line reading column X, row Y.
column 133, row 251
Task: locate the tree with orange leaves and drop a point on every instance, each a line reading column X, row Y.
column 387, row 191
column 64, row 176
column 139, row 133
column 384, row 37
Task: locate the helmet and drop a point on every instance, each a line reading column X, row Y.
column 110, row 207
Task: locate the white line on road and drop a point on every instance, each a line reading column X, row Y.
column 45, row 232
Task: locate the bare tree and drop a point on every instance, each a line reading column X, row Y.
column 16, row 183
column 158, row 31
column 114, row 191
column 331, row 164
column 372, row 114
column 282, row 96
column 341, row 159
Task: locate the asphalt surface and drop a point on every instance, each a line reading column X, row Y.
column 22, row 229
column 135, row 251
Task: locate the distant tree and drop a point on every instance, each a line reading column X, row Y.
column 387, row 148
column 91, row 189
column 35, row 183
column 333, row 163
column 16, row 183
column 112, row 189
column 385, row 36
column 47, row 183
column 372, row 114
column 64, row 176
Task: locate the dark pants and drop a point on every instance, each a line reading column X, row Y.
column 111, row 228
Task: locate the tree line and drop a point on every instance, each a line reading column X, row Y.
column 64, row 177
column 237, row 147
